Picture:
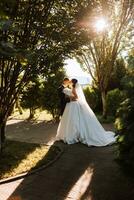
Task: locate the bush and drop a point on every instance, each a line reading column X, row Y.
column 31, row 96
column 114, row 98
column 125, row 126
column 50, row 98
column 119, row 71
column 93, row 98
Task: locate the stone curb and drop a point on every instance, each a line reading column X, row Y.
column 26, row 174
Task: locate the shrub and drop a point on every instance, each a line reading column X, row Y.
column 114, row 98
column 31, row 97
column 50, row 98
column 125, row 126
column 93, row 98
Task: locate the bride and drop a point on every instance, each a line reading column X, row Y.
column 79, row 123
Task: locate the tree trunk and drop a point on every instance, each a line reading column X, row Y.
column 104, row 104
column 32, row 112
column 2, row 135
column 19, row 107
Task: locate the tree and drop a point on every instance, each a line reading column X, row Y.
column 19, row 35
column 103, row 47
column 50, row 98
column 125, row 124
column 118, row 73
column 31, row 96
column 124, row 119
column 31, row 31
column 130, row 60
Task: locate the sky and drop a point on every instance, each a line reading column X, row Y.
column 74, row 70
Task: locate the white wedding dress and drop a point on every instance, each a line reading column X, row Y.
column 79, row 123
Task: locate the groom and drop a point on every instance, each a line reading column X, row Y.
column 64, row 99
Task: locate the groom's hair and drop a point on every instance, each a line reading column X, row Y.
column 65, row 79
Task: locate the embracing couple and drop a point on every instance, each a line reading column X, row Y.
column 78, row 121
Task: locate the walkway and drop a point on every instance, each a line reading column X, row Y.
column 81, row 173
column 31, row 132
column 35, row 132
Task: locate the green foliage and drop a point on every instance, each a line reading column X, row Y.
column 125, row 124
column 114, row 98
column 50, row 99
column 108, row 120
column 93, row 98
column 119, row 71
column 120, row 122
column 130, row 59
column 128, row 84
column 40, row 93
column 31, row 96
column 33, row 36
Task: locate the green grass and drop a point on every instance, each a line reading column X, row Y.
column 39, row 115
column 20, row 157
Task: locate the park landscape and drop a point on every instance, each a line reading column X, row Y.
column 36, row 38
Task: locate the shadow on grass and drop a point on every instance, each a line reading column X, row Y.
column 81, row 173
column 20, row 157
column 13, row 153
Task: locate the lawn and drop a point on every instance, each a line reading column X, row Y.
column 39, row 115
column 20, row 157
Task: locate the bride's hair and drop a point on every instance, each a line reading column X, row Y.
column 74, row 81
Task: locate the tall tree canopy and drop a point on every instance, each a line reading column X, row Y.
column 108, row 29
column 34, row 34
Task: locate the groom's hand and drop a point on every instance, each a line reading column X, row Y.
column 73, row 98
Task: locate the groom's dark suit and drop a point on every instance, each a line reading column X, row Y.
column 63, row 99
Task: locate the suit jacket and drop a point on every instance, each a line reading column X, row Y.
column 63, row 99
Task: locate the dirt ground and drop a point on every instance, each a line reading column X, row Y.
column 39, row 131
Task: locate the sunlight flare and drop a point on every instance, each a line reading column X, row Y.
column 100, row 24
